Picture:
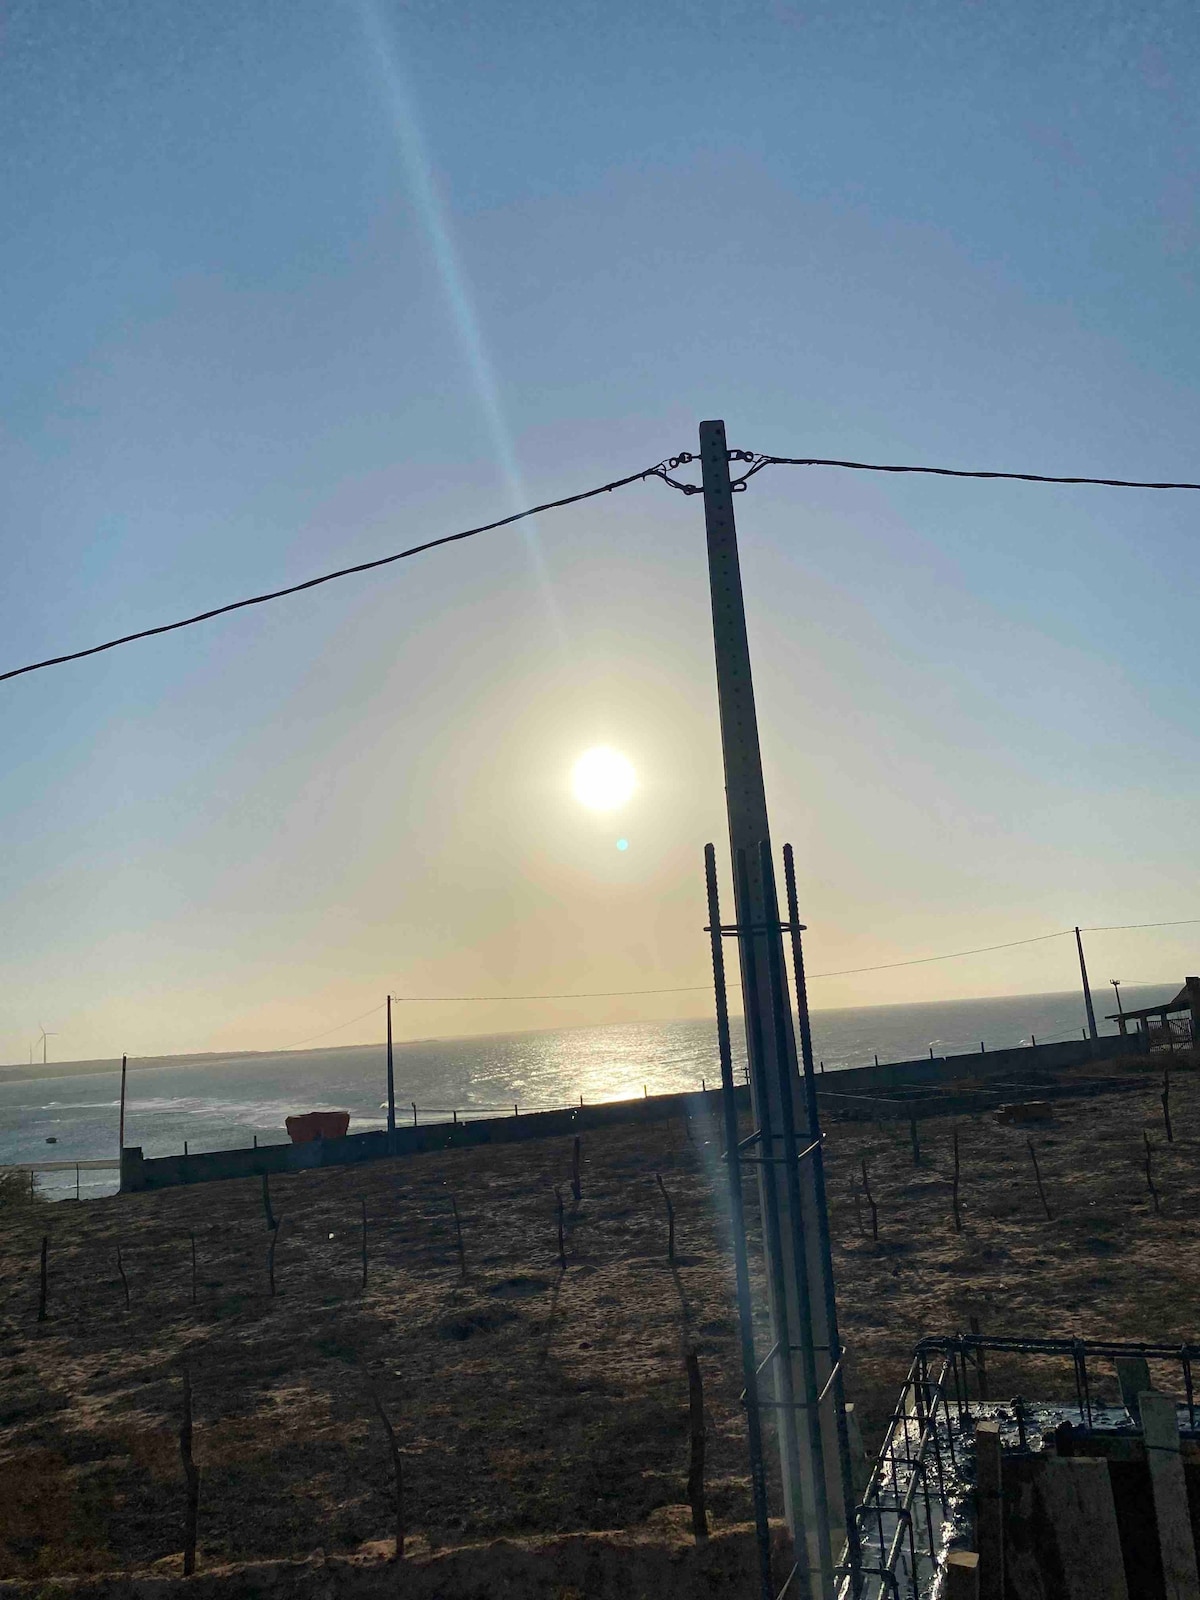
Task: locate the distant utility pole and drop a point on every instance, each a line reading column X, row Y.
column 121, row 1128
column 1087, row 993
column 391, row 1084
column 1116, row 983
column 808, row 1443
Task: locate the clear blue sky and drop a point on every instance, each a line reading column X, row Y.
column 291, row 285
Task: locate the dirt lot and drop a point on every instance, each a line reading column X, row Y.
column 526, row 1400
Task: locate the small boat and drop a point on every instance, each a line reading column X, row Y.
column 52, row 1139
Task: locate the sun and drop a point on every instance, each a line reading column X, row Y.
column 603, row 779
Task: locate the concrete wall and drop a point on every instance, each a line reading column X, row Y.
column 1023, row 1059
column 162, row 1172
column 837, row 1090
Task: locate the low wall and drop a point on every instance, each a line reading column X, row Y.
column 982, row 1064
column 164, row 1172
column 873, row 1084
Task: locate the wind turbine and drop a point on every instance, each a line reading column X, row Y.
column 45, row 1036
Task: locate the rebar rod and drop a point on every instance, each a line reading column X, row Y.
column 846, row 1472
column 737, row 1223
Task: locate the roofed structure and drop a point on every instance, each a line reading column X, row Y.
column 1187, row 1000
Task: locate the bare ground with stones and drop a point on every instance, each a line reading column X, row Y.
column 526, row 1400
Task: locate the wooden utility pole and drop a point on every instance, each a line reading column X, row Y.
column 1087, row 992
column 391, row 1084
column 796, row 1293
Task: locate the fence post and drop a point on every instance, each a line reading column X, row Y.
column 462, row 1257
column 954, row 1187
column 191, row 1478
column 41, row 1316
column 1038, row 1176
column 695, row 1482
column 670, row 1218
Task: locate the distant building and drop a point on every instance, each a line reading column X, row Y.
column 1177, row 1022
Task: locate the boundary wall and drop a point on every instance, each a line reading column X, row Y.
column 836, row 1091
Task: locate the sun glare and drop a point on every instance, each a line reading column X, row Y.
column 603, row 779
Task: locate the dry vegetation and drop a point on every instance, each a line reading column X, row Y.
column 526, row 1400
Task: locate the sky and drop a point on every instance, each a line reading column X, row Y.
column 293, row 285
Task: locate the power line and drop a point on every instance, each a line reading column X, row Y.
column 1118, row 927
column 842, row 972
column 696, row 988
column 580, row 994
column 336, row 1029
column 659, row 471
column 953, row 955
column 758, row 462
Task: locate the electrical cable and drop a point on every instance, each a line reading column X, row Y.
column 1118, row 927
column 758, row 462
column 696, row 988
column 661, row 470
column 842, row 972
column 336, row 1029
column 953, row 955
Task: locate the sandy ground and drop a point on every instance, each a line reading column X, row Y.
column 526, row 1400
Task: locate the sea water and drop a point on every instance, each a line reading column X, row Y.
column 216, row 1102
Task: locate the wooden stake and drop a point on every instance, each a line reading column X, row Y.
column 576, row 1187
column 362, row 1202
column 695, row 1482
column 271, row 1254
column 1149, row 1174
column 271, row 1223
column 670, row 1218
column 954, row 1187
column 562, row 1248
column 192, row 1237
column 462, row 1255
column 41, row 1316
column 1037, row 1173
column 1166, row 1105
column 397, row 1468
column 874, row 1209
column 916, row 1143
column 124, row 1279
column 191, row 1478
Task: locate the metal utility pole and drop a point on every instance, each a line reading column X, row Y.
column 1087, row 993
column 391, row 1084
column 800, row 1365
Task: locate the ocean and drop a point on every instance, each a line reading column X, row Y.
column 217, row 1102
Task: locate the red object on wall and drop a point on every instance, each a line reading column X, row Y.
column 310, row 1125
